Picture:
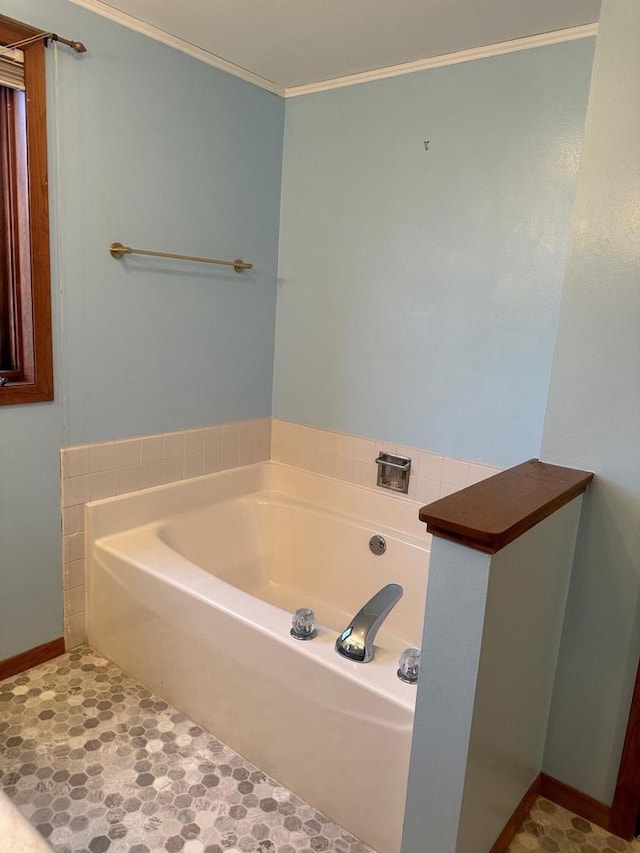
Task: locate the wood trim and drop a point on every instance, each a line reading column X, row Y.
column 13, row 30
column 491, row 514
column 9, row 345
column 37, row 380
column 32, row 657
column 575, row 801
column 626, row 800
column 517, row 818
column 559, row 793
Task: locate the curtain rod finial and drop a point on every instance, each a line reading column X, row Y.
column 78, row 46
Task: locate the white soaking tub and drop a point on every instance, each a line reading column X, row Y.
column 191, row 589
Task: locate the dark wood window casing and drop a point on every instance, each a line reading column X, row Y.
column 26, row 361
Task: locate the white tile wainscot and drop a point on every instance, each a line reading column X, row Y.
column 352, row 458
column 93, row 471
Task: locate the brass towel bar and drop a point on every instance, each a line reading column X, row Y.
column 119, row 251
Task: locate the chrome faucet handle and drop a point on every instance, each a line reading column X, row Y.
column 409, row 667
column 303, row 624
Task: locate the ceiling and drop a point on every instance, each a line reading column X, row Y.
column 291, row 43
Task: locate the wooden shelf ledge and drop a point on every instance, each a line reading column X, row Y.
column 494, row 512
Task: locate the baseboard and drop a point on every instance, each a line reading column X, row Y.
column 517, row 818
column 32, row 657
column 581, row 804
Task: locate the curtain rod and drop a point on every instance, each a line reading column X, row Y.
column 78, row 46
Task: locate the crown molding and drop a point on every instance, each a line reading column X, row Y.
column 542, row 40
column 138, row 26
column 135, row 24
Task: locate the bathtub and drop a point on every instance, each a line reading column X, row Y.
column 191, row 588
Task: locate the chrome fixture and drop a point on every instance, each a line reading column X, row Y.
column 377, row 545
column 303, row 624
column 409, row 668
column 356, row 641
column 393, row 472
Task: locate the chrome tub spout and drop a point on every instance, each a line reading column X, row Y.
column 356, row 641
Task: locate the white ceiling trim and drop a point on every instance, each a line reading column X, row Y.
column 187, row 47
column 554, row 37
column 133, row 23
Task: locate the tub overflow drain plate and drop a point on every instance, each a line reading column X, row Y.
column 377, row 545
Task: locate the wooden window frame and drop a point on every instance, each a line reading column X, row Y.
column 33, row 381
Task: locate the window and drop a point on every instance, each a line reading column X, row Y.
column 26, row 364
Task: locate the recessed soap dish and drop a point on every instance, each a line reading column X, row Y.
column 393, row 472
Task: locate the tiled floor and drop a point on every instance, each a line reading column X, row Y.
column 551, row 828
column 98, row 763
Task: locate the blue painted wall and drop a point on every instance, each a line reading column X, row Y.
column 161, row 151
column 593, row 421
column 419, row 290
column 30, row 560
